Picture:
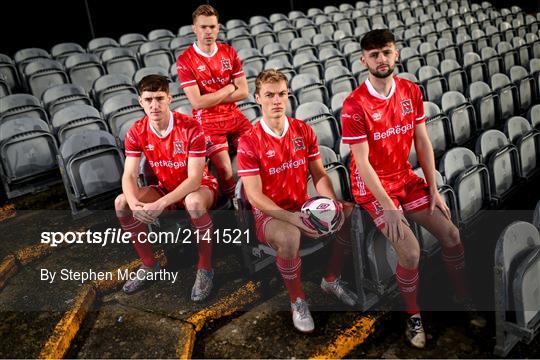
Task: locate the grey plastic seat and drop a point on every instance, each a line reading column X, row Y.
column 150, row 70
column 277, row 51
column 339, row 79
column 282, row 65
column 474, row 66
column 305, row 63
column 502, row 161
column 456, row 77
column 526, row 140
column 120, row 60
column 434, row 83
column 516, row 269
column 60, row 52
column 263, row 34
column 178, row 95
column 508, row 54
column 84, row 69
column 121, row 109
column 162, row 36
column 92, row 168
column 8, row 72
column 24, row 56
column 359, row 71
column 308, row 87
column 132, row 41
column 485, row 104
column 239, row 38
column 27, row 156
column 306, row 28
column 508, row 95
column 431, row 54
column 525, row 85
column 448, row 49
column 98, row 45
column 252, row 58
column 76, row 118
column 41, row 74
column 461, row 115
column 352, row 51
column 523, row 50
column 250, row 109
column 479, row 36
column 534, row 68
column 493, row 61
column 339, row 177
column 533, row 116
column 323, row 41
column 470, row 181
column 437, row 125
column 180, row 44
column 21, row 105
column 156, row 54
column 536, row 216
column 411, row 59
column 285, row 33
column 236, row 23
column 60, row 96
column 336, row 104
column 331, row 57
column 319, row 117
column 328, row 156
column 111, row 85
column 302, row 45
column 325, row 24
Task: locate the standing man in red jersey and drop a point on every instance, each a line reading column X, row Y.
column 212, row 77
column 274, row 160
column 173, row 145
column 380, row 120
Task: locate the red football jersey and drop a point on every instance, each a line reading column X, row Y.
column 167, row 155
column 281, row 161
column 210, row 73
column 387, row 124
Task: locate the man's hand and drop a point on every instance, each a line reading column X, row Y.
column 154, row 209
column 393, row 228
column 137, row 208
column 438, row 202
column 296, row 220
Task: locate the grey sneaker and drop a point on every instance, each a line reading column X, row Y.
column 133, row 285
column 301, row 316
column 203, row 285
column 339, row 288
column 475, row 319
column 415, row 332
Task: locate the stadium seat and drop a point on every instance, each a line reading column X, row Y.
column 132, row 41
column 339, row 79
column 325, row 24
column 60, row 52
column 516, row 269
column 485, row 104
column 9, row 73
column 251, row 75
column 179, row 44
column 413, row 38
column 277, row 51
column 156, row 54
column 92, row 168
column 493, row 61
column 24, row 56
column 437, row 125
column 474, row 67
column 508, row 55
column 454, row 74
column 110, row 85
column 449, row 49
column 331, row 57
column 411, row 59
column 480, row 38
column 120, row 60
column 342, row 38
column 302, row 45
column 534, row 43
column 41, row 74
column 321, row 120
column 84, row 69
column 502, row 160
column 431, row 54
column 252, row 58
column 328, row 156
column 250, row 108
column 178, row 95
column 336, row 104
column 5, row 89
column 308, row 87
column 465, row 43
column 98, row 45
column 534, row 117
column 120, row 112
column 526, row 87
column 151, row 70
column 536, row 216
column 323, row 41
column 76, row 118
column 21, row 105
column 352, row 52
column 470, row 181
column 359, row 71
column 27, row 156
column 236, row 23
column 461, row 116
column 494, row 36
column 306, row 28
column 285, row 33
column 60, row 96
column 163, row 36
column 519, row 132
column 434, row 83
column 523, row 50
column 282, row 65
column 263, row 34
column 508, row 96
column 240, row 38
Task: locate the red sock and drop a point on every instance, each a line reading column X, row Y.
column 204, row 247
column 407, row 280
column 290, row 270
column 454, row 261
column 228, row 186
column 135, row 227
column 340, row 248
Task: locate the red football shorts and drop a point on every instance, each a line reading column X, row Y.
column 219, row 133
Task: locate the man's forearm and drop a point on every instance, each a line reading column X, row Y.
column 212, row 99
column 426, row 159
column 129, row 188
column 372, row 181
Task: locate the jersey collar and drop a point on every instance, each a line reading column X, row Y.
column 374, row 92
column 202, row 53
column 169, row 127
column 269, row 131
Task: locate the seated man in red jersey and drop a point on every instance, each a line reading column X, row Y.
column 173, row 145
column 274, row 160
column 212, row 77
column 380, row 120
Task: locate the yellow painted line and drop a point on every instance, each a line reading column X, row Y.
column 8, row 268
column 236, row 301
column 349, row 339
column 68, row 327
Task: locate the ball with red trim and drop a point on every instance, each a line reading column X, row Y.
column 325, row 215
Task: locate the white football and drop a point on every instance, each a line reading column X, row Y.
column 325, row 215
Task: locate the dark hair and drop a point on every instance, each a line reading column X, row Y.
column 205, row 10
column 154, row 83
column 376, row 39
column 271, row 76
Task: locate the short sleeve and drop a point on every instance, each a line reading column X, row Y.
column 353, row 122
column 420, row 115
column 132, row 143
column 197, row 146
column 248, row 162
column 312, row 145
column 237, row 70
column 185, row 75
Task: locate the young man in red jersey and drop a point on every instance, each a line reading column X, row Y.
column 274, row 160
column 380, row 120
column 211, row 75
column 173, row 145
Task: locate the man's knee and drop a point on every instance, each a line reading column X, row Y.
column 452, row 237
column 196, row 204
column 120, row 203
column 287, row 241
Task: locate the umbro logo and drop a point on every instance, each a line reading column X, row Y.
column 376, row 116
column 201, row 68
column 149, row 147
column 270, row 153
